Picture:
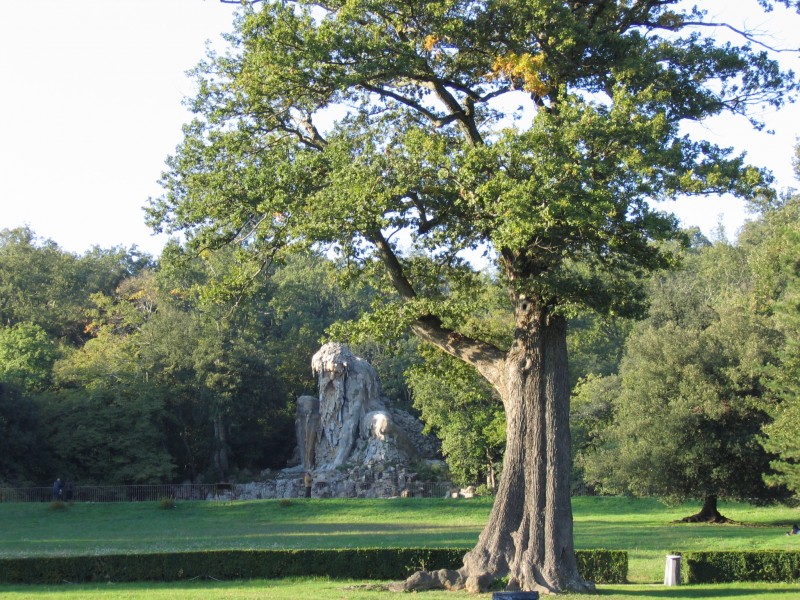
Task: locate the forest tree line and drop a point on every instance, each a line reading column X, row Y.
column 117, row 368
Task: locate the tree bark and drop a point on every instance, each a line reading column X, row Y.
column 528, row 537
column 221, row 446
column 491, row 482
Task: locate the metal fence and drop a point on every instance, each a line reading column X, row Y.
column 117, row 493
column 149, row 493
column 428, row 489
column 206, row 491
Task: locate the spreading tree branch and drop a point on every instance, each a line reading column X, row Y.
column 486, row 358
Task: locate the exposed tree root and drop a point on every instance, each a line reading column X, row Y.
column 714, row 519
column 446, row 579
column 708, row 514
column 443, row 579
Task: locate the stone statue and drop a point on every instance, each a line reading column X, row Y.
column 351, row 421
column 351, row 437
column 352, row 442
column 348, row 389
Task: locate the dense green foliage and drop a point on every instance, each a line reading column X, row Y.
column 125, row 402
column 122, row 405
column 141, row 377
column 42, row 285
column 417, row 141
column 161, row 371
column 705, row 399
column 603, row 566
column 461, row 409
column 777, row 240
column 689, row 402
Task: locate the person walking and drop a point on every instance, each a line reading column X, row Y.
column 57, row 489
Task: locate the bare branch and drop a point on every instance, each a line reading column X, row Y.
column 437, row 120
column 748, row 35
column 464, row 115
column 314, row 138
column 425, row 224
column 393, row 267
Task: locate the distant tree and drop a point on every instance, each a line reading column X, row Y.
column 42, row 284
column 418, row 140
column 304, row 299
column 784, row 380
column 774, row 243
column 689, row 401
column 26, row 357
column 104, row 419
column 22, row 451
column 391, row 360
column 224, row 408
column 592, row 412
column 459, row 407
column 596, row 344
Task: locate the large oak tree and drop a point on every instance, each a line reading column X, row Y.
column 385, row 126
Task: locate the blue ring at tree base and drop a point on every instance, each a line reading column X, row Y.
column 515, row 596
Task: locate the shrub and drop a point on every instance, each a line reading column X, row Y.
column 484, row 490
column 376, row 563
column 285, row 503
column 729, row 567
column 603, row 566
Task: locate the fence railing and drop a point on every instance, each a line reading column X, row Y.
column 429, row 489
column 116, row 493
column 149, row 493
column 204, row 491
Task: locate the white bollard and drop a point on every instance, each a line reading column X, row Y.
column 672, row 572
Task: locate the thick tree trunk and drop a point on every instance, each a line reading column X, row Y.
column 221, row 446
column 528, row 537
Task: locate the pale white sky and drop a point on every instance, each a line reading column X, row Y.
column 90, row 107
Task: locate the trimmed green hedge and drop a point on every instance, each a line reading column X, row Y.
column 730, row 567
column 602, row 566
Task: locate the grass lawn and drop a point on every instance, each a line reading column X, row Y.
column 32, row 529
column 642, row 527
column 645, row 528
column 288, row 589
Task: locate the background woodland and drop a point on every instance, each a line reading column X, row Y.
column 118, row 368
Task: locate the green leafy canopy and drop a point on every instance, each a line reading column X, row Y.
column 381, row 129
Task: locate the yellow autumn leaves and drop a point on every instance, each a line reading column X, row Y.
column 525, row 67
